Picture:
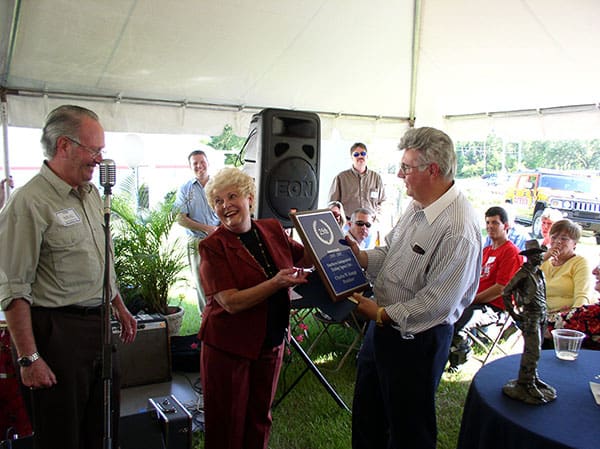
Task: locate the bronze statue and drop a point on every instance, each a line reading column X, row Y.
column 525, row 300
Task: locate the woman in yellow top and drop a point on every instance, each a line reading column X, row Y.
column 567, row 274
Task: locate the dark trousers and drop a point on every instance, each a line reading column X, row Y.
column 238, row 393
column 396, row 383
column 70, row 415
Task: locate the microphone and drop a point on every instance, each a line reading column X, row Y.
column 108, row 178
column 108, row 175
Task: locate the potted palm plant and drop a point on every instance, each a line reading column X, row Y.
column 148, row 260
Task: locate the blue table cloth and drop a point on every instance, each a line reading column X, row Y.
column 492, row 420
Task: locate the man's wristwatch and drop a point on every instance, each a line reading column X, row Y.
column 27, row 360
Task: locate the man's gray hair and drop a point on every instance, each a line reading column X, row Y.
column 361, row 210
column 63, row 121
column 433, row 145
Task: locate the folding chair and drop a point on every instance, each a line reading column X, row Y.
column 350, row 322
column 301, row 309
column 490, row 337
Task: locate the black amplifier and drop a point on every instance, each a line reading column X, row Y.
column 148, row 359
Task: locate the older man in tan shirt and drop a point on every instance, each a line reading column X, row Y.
column 53, row 257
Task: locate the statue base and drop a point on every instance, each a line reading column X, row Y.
column 536, row 393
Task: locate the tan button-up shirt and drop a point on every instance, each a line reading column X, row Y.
column 53, row 244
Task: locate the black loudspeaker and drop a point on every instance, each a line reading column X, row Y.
column 283, row 155
column 148, row 359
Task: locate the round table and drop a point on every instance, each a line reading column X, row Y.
column 493, row 420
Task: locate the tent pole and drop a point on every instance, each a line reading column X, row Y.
column 416, row 42
column 4, row 115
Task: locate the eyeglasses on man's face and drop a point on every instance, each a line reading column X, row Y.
column 406, row 169
column 362, row 223
column 361, row 153
column 93, row 152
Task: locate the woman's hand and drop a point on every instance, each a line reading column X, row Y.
column 289, row 277
column 553, row 255
column 234, row 300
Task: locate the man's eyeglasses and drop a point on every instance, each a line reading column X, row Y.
column 405, row 169
column 362, row 153
column 94, row 153
column 362, row 223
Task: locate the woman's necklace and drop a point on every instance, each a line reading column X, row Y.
column 253, row 244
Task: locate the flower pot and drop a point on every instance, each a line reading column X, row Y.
column 174, row 319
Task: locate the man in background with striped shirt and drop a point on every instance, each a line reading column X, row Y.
column 425, row 276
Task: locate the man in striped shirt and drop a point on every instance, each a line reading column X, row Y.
column 425, row 276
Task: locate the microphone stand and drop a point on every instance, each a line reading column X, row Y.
column 107, row 361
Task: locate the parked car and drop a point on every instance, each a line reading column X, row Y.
column 495, row 179
column 575, row 195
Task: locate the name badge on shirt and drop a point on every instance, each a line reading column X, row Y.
column 374, row 194
column 68, row 217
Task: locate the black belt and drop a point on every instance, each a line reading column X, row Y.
column 78, row 310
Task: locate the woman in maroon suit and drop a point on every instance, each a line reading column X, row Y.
column 247, row 269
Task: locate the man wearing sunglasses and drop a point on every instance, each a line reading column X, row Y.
column 359, row 227
column 358, row 186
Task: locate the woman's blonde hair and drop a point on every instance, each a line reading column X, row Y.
column 229, row 177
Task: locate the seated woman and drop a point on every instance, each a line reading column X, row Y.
column 549, row 217
column 247, row 269
column 567, row 274
column 337, row 209
column 585, row 319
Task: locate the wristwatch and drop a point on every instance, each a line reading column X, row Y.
column 27, row 360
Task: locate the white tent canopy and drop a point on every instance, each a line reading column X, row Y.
column 193, row 65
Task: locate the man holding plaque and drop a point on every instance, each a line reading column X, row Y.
column 425, row 276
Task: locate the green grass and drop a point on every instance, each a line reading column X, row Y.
column 309, row 418
column 191, row 318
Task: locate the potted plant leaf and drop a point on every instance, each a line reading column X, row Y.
column 148, row 261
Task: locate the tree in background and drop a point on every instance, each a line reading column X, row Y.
column 230, row 143
column 562, row 154
column 476, row 158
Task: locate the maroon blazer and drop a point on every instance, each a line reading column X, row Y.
column 227, row 264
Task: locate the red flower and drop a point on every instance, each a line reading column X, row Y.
column 585, row 319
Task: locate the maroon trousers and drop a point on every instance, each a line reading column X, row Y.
column 238, row 393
